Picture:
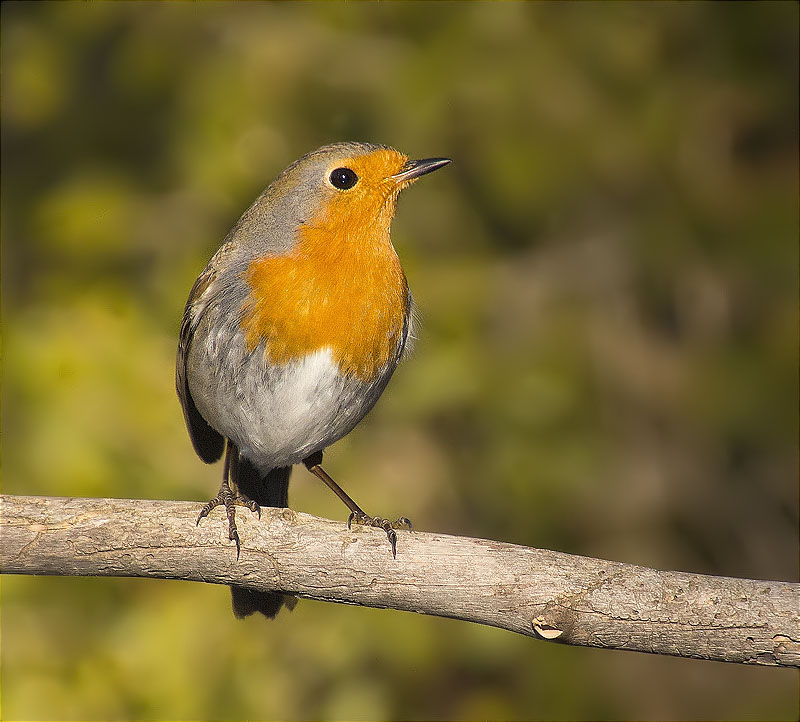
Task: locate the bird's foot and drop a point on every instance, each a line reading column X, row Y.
column 388, row 526
column 227, row 498
column 357, row 516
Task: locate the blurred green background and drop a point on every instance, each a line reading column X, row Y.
column 608, row 365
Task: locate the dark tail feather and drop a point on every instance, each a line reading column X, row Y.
column 269, row 490
column 246, row 602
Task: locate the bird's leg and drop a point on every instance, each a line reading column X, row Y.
column 227, row 497
column 357, row 514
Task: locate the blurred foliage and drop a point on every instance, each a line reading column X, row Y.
column 608, row 278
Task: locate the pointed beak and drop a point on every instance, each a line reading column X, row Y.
column 413, row 169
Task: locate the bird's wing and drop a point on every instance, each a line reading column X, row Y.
column 410, row 324
column 207, row 442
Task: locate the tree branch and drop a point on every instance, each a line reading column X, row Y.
column 545, row 594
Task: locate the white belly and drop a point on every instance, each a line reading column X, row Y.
column 293, row 414
column 280, row 415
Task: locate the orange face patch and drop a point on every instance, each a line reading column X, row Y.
column 342, row 286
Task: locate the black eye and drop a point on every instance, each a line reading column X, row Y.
column 343, row 179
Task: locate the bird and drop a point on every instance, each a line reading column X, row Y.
column 293, row 330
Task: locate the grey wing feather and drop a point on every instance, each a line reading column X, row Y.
column 207, row 442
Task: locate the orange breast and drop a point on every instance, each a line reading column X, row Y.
column 342, row 288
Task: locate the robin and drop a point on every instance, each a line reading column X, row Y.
column 294, row 328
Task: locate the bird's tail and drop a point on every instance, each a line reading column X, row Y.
column 271, row 489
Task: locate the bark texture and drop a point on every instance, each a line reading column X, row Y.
column 539, row 593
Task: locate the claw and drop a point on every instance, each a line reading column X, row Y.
column 206, row 510
column 381, row 523
column 230, row 501
column 392, row 535
column 233, row 535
